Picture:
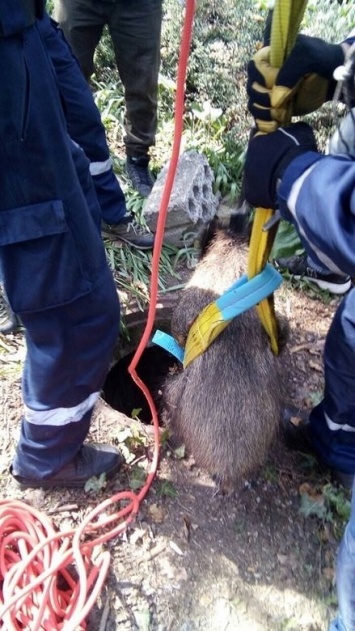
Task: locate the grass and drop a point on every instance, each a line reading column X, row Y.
column 312, row 291
column 132, row 270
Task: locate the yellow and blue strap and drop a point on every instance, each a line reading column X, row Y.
column 214, row 318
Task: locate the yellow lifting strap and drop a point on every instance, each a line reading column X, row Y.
column 286, row 19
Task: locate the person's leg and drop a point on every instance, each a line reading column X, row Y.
column 345, row 577
column 67, row 362
column 82, row 22
column 85, row 128
column 329, row 430
column 53, row 263
column 84, row 121
column 135, row 29
column 332, row 422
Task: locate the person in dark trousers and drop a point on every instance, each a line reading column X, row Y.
column 52, row 263
column 316, row 192
column 135, row 31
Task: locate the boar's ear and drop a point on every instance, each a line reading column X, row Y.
column 240, row 223
column 207, row 234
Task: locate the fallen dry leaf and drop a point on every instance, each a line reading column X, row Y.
column 157, row 513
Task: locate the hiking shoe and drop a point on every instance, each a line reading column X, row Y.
column 139, row 174
column 8, row 320
column 130, row 231
column 91, row 460
column 295, row 428
column 298, row 268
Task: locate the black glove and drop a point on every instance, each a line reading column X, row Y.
column 301, row 86
column 267, row 158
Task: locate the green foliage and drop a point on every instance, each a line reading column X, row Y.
column 207, row 130
column 311, row 289
column 132, row 442
column 95, row 484
column 110, row 101
column 338, row 501
column 329, row 505
column 287, row 242
column 180, row 452
column 136, row 412
column 224, row 37
column 105, row 62
column 137, row 477
column 328, row 19
column 270, row 474
column 132, row 269
column 166, row 489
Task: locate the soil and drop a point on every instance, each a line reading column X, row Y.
column 193, row 558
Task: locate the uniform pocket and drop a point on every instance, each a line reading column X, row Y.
column 40, row 264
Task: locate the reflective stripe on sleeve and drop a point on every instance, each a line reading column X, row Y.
column 292, row 206
column 96, row 168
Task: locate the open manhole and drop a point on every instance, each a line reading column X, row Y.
column 119, row 390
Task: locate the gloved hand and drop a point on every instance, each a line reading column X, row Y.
column 267, row 158
column 301, row 86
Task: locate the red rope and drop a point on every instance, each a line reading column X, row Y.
column 38, row 589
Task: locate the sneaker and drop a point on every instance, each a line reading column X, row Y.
column 91, row 460
column 139, row 174
column 8, row 320
column 130, row 231
column 299, row 269
column 295, row 428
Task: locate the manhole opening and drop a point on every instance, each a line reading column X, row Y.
column 122, row 393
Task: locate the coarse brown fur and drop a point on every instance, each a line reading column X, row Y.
column 226, row 405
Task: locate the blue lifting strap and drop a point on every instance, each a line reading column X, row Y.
column 240, row 297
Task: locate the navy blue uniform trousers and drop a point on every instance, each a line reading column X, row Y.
column 83, row 120
column 329, row 239
column 52, row 259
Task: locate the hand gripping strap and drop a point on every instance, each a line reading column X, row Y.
column 286, row 19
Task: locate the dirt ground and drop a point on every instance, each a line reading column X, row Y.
column 194, row 559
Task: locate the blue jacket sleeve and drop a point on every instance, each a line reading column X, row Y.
column 317, row 195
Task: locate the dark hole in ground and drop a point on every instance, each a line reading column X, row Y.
column 122, row 393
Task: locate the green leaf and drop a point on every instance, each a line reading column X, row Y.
column 180, row 452
column 136, row 412
column 287, row 242
column 310, row 506
column 167, row 489
column 95, row 484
